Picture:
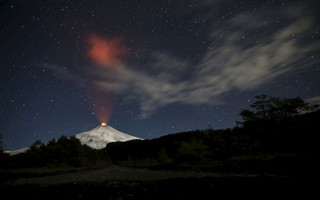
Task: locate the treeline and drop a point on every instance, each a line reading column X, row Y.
column 64, row 152
column 286, row 147
column 277, row 136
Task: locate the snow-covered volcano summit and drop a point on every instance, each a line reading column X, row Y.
column 100, row 136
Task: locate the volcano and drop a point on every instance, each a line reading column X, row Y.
column 100, row 136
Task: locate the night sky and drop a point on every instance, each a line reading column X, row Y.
column 149, row 68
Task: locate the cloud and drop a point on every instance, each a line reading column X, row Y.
column 235, row 62
column 104, row 51
column 232, row 65
column 314, row 100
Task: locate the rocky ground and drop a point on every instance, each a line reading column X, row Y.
column 129, row 183
column 110, row 174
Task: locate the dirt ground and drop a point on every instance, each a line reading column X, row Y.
column 130, row 183
column 110, row 174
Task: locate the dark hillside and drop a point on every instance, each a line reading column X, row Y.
column 266, row 142
column 276, row 145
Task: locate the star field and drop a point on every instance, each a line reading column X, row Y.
column 149, row 68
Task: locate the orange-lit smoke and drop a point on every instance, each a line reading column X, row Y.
column 102, row 103
column 105, row 51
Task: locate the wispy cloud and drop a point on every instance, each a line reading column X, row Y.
column 230, row 65
column 234, row 63
column 314, row 100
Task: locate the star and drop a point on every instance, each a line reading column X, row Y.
column 149, row 68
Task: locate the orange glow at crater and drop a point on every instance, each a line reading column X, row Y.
column 103, row 124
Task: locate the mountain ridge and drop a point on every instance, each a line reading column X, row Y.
column 96, row 138
column 99, row 137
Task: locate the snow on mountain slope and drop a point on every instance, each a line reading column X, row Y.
column 15, row 152
column 100, row 136
column 96, row 138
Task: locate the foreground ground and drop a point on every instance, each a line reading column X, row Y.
column 128, row 183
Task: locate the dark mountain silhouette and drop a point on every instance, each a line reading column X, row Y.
column 279, row 136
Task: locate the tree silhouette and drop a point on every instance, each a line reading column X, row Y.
column 36, row 144
column 275, row 108
column 1, row 144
